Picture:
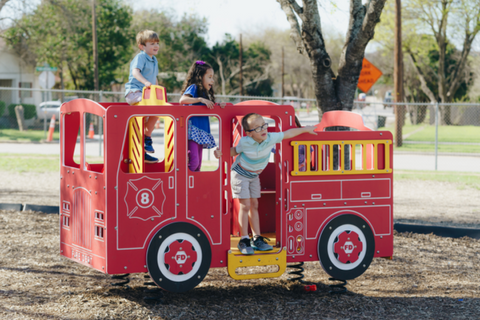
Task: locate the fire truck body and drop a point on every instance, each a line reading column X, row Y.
column 124, row 216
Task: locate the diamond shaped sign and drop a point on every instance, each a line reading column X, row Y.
column 368, row 76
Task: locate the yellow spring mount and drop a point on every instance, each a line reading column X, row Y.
column 238, row 260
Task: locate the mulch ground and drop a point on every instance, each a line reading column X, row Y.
column 429, row 278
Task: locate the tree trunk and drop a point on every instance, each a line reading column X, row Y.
column 333, row 92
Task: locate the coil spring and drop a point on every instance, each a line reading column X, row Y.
column 298, row 273
column 123, row 280
column 338, row 287
column 156, row 290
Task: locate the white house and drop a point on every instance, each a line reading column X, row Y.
column 15, row 73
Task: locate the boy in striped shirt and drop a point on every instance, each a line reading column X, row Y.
column 254, row 152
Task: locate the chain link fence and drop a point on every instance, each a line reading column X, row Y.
column 439, row 128
column 445, row 129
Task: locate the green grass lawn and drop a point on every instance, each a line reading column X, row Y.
column 451, row 134
column 462, row 178
column 469, row 134
column 29, row 163
column 25, row 136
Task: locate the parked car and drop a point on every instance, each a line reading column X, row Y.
column 387, row 99
column 47, row 109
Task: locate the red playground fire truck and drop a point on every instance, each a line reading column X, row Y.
column 120, row 215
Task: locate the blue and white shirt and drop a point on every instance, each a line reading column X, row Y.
column 253, row 156
column 199, row 127
column 148, row 67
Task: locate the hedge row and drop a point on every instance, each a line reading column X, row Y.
column 29, row 110
column 2, row 108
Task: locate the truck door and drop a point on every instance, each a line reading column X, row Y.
column 146, row 192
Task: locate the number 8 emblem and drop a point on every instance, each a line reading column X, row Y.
column 144, row 198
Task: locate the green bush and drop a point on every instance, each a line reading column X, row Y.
column 2, row 108
column 29, row 110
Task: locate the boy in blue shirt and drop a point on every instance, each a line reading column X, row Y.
column 254, row 152
column 143, row 73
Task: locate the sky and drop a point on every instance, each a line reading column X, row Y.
column 226, row 16
column 237, row 16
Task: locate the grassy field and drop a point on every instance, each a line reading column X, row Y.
column 453, row 135
column 25, row 136
column 50, row 163
column 29, row 162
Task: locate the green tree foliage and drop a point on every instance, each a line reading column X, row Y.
column 181, row 42
column 225, row 59
column 60, row 33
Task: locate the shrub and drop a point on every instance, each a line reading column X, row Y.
column 29, row 110
column 2, row 108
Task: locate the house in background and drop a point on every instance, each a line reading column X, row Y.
column 15, row 73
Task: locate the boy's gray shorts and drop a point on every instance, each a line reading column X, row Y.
column 243, row 187
column 133, row 97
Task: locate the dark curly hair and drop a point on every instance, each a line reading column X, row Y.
column 195, row 76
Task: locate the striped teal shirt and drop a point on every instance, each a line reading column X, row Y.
column 253, row 156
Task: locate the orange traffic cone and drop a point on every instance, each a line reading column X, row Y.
column 51, row 129
column 90, row 131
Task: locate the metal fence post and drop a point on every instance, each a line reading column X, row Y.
column 100, row 127
column 436, row 135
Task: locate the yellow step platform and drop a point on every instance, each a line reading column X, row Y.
column 275, row 257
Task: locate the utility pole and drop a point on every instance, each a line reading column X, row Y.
column 398, row 75
column 241, row 66
column 95, row 52
column 283, row 73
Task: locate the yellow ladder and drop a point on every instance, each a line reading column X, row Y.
column 154, row 96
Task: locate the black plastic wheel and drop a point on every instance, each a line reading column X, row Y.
column 346, row 247
column 179, row 257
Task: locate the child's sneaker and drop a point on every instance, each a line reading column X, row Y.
column 259, row 243
column 244, row 246
column 148, row 145
column 150, row 159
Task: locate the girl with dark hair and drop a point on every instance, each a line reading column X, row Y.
column 198, row 90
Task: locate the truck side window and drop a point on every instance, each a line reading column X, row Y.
column 204, row 159
column 94, row 143
column 71, row 133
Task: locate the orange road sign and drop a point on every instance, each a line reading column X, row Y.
column 368, row 76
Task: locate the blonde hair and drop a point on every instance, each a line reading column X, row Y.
column 147, row 35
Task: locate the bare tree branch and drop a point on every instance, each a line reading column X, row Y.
column 421, row 76
column 296, row 7
column 295, row 33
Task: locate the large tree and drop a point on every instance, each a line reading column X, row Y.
column 59, row 32
column 437, row 39
column 297, row 74
column 333, row 91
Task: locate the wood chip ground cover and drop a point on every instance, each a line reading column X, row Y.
column 429, row 278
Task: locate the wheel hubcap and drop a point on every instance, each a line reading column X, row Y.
column 348, row 247
column 180, row 257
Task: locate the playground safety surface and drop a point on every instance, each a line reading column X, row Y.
column 429, row 277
